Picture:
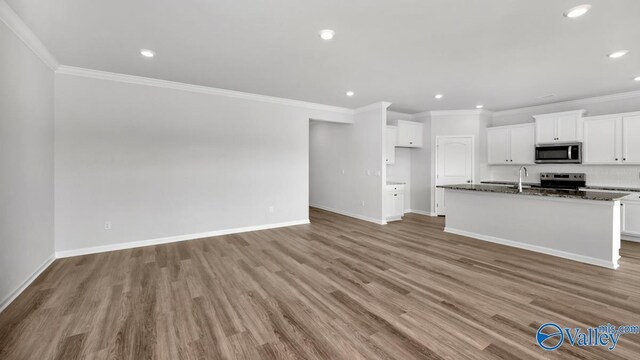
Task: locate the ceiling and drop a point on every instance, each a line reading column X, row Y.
column 501, row 53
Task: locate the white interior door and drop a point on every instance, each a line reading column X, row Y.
column 454, row 165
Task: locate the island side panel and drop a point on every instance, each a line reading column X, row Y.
column 581, row 230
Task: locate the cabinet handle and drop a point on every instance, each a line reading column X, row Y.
column 410, row 142
column 395, row 194
column 616, row 159
column 624, row 159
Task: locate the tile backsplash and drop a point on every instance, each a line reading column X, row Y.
column 611, row 175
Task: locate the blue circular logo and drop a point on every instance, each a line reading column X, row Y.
column 549, row 336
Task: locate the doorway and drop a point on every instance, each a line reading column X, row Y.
column 455, row 157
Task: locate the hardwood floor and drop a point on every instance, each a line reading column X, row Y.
column 339, row 288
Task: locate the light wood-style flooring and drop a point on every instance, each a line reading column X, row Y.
column 339, row 288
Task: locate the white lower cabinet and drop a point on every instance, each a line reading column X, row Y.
column 630, row 215
column 394, row 202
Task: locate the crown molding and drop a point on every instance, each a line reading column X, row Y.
column 381, row 105
column 457, row 112
column 421, row 115
column 22, row 31
column 571, row 103
column 140, row 80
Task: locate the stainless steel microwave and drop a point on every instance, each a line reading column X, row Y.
column 559, row 153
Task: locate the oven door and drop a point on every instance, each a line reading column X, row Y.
column 559, row 153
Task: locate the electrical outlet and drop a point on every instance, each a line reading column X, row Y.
column 363, row 203
column 368, row 172
column 107, row 225
column 272, row 209
column 343, row 171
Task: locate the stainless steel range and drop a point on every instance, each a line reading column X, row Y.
column 567, row 181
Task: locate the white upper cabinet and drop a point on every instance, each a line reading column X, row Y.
column 497, row 145
column 390, row 145
column 631, row 139
column 409, row 134
column 602, row 140
column 546, row 130
column 523, row 144
column 513, row 145
column 612, row 139
column 561, row 127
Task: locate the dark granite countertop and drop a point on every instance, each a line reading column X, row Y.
column 612, row 188
column 607, row 188
column 570, row 194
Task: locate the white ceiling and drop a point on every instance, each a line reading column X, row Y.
column 501, row 53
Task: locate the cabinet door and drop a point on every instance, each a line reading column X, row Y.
column 398, row 204
column 631, row 140
column 546, row 130
column 567, row 129
column 389, row 204
column 498, row 146
column 522, row 143
column 601, row 140
column 415, row 138
column 390, row 147
column 409, row 134
column 631, row 218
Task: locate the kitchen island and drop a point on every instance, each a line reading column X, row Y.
column 578, row 225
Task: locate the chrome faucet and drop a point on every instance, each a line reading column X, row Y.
column 526, row 173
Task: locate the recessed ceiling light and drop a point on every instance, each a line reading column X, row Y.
column 439, row 96
column 618, row 54
column 327, row 34
column 147, row 53
column 479, row 106
column 350, row 93
column 577, row 11
column 637, row 78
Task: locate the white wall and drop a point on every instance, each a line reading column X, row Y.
column 158, row 162
column 609, row 175
column 346, row 164
column 421, row 168
column 26, row 164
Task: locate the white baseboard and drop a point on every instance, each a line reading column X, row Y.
column 345, row 213
column 15, row 293
column 540, row 249
column 629, row 238
column 171, row 239
column 421, row 212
